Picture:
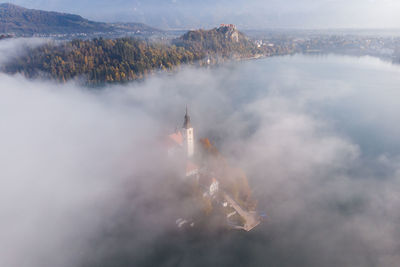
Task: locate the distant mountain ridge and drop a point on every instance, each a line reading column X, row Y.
column 22, row 21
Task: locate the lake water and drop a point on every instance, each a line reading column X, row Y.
column 319, row 138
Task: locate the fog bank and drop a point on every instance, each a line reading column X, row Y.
column 317, row 136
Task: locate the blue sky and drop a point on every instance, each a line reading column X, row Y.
column 246, row 14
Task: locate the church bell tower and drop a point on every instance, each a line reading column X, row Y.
column 188, row 135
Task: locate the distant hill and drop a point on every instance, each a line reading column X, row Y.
column 133, row 27
column 225, row 41
column 22, row 21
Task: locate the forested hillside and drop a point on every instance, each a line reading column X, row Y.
column 22, row 21
column 101, row 60
column 18, row 20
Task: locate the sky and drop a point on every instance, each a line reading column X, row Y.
column 249, row 14
column 84, row 183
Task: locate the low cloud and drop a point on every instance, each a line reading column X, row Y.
column 82, row 182
column 249, row 14
column 12, row 48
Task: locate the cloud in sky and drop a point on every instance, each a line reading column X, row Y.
column 247, row 14
column 81, row 180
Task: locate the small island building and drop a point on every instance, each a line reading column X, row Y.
column 209, row 184
column 192, row 170
column 182, row 139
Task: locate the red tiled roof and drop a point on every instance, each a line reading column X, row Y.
column 176, row 137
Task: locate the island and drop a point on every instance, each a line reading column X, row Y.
column 212, row 185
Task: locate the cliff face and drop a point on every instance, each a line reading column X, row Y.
column 231, row 33
column 225, row 42
column 227, row 33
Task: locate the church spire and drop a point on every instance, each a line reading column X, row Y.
column 186, row 123
column 188, row 135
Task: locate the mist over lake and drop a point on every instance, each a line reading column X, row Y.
column 200, row 133
column 317, row 136
column 318, row 139
column 357, row 97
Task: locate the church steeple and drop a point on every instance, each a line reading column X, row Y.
column 188, row 135
column 186, row 122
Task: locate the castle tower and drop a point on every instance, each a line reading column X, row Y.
column 188, row 135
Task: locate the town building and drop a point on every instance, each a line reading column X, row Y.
column 192, row 170
column 209, row 184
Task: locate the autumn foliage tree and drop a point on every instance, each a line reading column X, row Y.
column 101, row 60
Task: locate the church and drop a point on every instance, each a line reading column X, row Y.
column 181, row 144
column 182, row 139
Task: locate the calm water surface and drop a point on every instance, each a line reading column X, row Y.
column 319, row 138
